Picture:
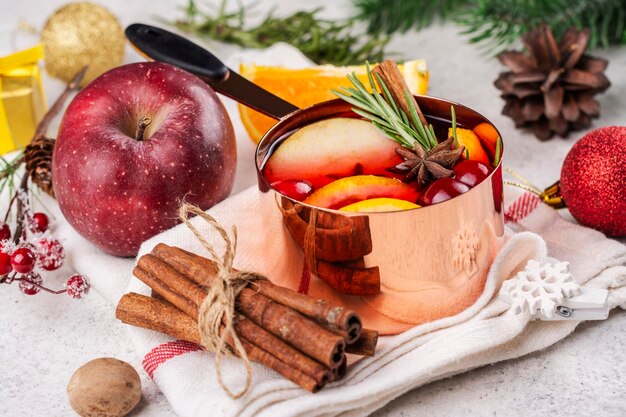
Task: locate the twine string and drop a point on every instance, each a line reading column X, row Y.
column 308, row 245
column 525, row 185
column 216, row 316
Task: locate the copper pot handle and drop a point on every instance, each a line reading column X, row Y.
column 160, row 45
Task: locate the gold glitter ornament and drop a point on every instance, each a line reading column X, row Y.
column 80, row 34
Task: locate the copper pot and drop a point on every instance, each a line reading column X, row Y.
column 411, row 266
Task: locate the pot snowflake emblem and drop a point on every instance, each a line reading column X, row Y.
column 464, row 248
column 540, row 288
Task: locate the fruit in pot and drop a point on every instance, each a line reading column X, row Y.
column 131, row 145
column 296, row 189
column 471, row 172
column 441, row 190
column 345, row 191
column 377, row 205
column 332, row 148
column 467, row 138
column 488, row 136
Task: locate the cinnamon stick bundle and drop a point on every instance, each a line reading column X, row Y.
column 154, row 314
column 301, row 338
column 293, row 328
column 332, row 317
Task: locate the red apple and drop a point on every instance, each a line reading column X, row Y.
column 118, row 186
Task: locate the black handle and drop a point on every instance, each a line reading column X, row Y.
column 164, row 46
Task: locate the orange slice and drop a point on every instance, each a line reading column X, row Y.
column 488, row 136
column 376, row 205
column 471, row 142
column 348, row 190
column 308, row 86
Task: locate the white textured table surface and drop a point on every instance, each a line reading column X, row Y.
column 43, row 339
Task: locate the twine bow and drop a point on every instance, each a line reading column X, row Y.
column 216, row 316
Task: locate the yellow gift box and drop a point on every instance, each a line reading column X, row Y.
column 22, row 100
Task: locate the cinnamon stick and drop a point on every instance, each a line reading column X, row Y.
column 340, row 371
column 345, row 243
column 332, row 317
column 293, row 328
column 158, row 315
column 150, row 313
column 348, row 280
column 257, row 354
column 281, row 350
column 365, row 345
column 390, row 74
column 165, row 291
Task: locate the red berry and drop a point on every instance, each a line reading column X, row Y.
column 51, row 253
column 296, row 189
column 5, row 231
column 23, row 260
column 27, row 286
column 471, row 172
column 40, row 222
column 5, row 263
column 441, row 190
column 77, row 286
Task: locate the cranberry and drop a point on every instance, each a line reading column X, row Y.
column 28, row 281
column 23, row 260
column 5, row 263
column 51, row 254
column 471, row 172
column 5, row 231
column 77, row 286
column 296, row 189
column 40, row 222
column 441, row 190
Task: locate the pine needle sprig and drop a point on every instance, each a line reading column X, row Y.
column 385, row 115
column 9, row 170
column 324, row 41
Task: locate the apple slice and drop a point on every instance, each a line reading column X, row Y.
column 377, row 205
column 332, row 148
column 346, row 191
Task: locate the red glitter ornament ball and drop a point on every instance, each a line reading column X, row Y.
column 593, row 180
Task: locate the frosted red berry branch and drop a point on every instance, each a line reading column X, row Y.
column 24, row 259
column 31, row 250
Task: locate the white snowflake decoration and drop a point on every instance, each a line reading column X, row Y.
column 464, row 249
column 540, row 288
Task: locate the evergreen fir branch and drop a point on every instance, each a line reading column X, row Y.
column 499, row 23
column 324, row 41
column 392, row 16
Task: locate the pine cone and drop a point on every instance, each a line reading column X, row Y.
column 38, row 159
column 551, row 88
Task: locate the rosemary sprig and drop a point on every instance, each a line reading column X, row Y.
column 321, row 40
column 382, row 111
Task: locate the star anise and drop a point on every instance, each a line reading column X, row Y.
column 426, row 166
